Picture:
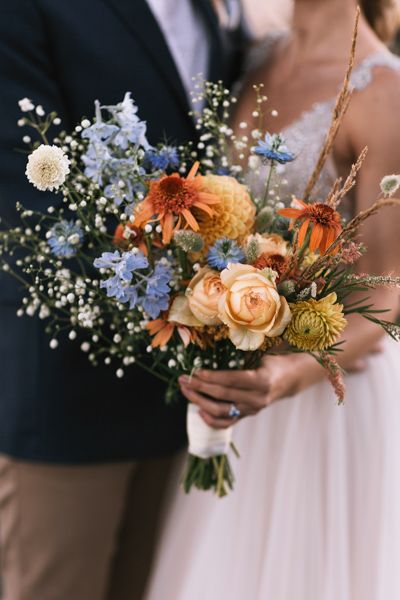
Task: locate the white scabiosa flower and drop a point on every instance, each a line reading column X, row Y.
column 47, row 168
column 390, row 184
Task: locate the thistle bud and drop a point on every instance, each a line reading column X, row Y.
column 252, row 250
column 189, row 241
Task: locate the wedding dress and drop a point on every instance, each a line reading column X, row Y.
column 315, row 514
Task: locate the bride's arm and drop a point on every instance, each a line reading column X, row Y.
column 374, row 121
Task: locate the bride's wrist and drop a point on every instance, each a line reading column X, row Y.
column 307, row 372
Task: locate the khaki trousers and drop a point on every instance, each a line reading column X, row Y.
column 78, row 532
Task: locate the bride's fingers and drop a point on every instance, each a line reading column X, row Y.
column 219, row 392
column 244, row 380
column 217, row 423
column 220, row 410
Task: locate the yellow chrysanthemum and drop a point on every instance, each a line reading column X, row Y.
column 233, row 217
column 315, row 324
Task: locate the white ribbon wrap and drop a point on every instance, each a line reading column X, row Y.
column 205, row 441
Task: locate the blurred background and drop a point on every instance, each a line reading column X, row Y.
column 264, row 16
column 267, row 15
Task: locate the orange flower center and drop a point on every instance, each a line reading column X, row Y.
column 276, row 262
column 173, row 194
column 253, row 300
column 323, row 215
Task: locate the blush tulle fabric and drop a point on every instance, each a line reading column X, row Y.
column 315, row 514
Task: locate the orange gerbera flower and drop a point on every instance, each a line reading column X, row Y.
column 163, row 332
column 326, row 223
column 136, row 238
column 170, row 200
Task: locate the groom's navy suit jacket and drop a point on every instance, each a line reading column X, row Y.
column 64, row 54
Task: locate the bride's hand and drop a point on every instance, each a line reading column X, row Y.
column 250, row 391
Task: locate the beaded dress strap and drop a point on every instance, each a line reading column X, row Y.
column 363, row 74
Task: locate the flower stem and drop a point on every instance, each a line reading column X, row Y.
column 268, row 184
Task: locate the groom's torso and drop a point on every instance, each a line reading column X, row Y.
column 64, row 55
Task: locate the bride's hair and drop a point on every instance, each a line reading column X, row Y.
column 383, row 16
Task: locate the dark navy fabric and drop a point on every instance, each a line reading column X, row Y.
column 54, row 406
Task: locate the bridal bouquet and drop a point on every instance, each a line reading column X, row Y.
column 162, row 258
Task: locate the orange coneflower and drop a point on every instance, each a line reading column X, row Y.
column 163, row 331
column 135, row 238
column 325, row 221
column 170, row 200
column 276, row 262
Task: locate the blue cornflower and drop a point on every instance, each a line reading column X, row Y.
column 273, row 148
column 65, row 238
column 162, row 159
column 223, row 253
column 132, row 129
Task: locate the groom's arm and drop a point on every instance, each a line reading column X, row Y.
column 26, row 70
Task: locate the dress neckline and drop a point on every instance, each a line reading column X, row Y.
column 361, row 77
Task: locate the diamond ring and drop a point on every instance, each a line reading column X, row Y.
column 234, row 412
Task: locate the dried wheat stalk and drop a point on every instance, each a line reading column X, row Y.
column 339, row 111
column 335, row 197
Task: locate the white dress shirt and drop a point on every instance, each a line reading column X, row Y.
column 186, row 35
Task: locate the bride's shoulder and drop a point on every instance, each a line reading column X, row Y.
column 377, row 69
column 374, row 114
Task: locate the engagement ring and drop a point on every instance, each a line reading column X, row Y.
column 234, row 412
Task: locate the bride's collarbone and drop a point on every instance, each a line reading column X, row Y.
column 294, row 97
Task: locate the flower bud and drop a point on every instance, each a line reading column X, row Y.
column 189, row 241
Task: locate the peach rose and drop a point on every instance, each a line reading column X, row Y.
column 203, row 294
column 251, row 307
column 181, row 314
column 269, row 244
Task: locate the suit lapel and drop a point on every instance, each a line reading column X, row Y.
column 138, row 18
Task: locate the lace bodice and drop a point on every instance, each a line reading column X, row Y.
column 305, row 136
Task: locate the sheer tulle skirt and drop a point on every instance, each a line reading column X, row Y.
column 316, row 510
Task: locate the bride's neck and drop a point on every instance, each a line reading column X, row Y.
column 321, row 28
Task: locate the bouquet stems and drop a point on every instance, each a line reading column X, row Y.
column 213, row 473
column 208, row 466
